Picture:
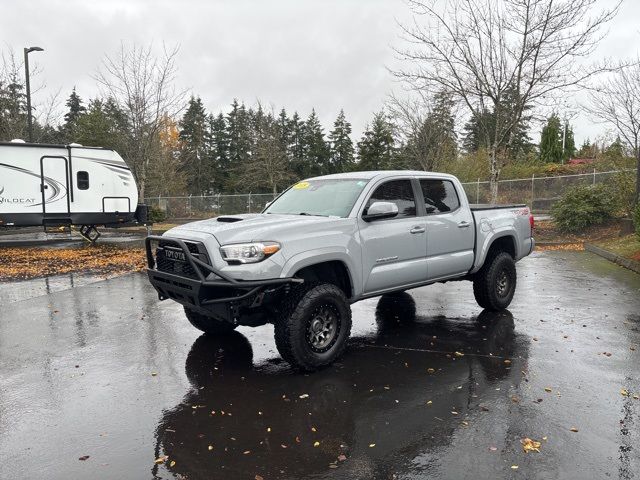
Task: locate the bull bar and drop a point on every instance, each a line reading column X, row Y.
column 191, row 288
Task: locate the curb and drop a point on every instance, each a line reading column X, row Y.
column 613, row 257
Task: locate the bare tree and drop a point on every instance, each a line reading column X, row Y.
column 143, row 85
column 617, row 102
column 502, row 56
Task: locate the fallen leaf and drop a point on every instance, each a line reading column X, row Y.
column 316, row 444
column 624, row 392
column 429, row 402
column 573, row 429
column 493, row 449
column 371, row 445
column 153, row 374
column 507, row 362
column 431, row 370
column 529, row 445
column 173, row 462
column 210, row 447
column 84, row 457
column 548, row 389
column 342, row 457
column 304, row 395
column 514, row 467
column 458, row 354
column 160, row 460
column 258, row 477
column 246, row 452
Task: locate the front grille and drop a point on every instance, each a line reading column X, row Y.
column 175, row 267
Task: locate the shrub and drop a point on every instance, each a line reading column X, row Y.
column 636, row 219
column 157, row 215
column 582, row 207
column 622, row 187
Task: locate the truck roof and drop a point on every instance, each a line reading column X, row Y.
column 368, row 175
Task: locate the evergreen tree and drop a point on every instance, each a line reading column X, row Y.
column 13, row 106
column 103, row 124
column 551, row 141
column 432, row 142
column 477, row 131
column 569, row 143
column 195, row 156
column 219, row 148
column 587, row 150
column 268, row 167
column 376, row 149
column 341, row 146
column 315, row 148
column 76, row 109
column 239, row 134
column 296, row 152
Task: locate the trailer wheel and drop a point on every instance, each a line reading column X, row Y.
column 208, row 324
column 495, row 283
column 314, row 325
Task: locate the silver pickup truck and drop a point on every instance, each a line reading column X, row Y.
column 330, row 241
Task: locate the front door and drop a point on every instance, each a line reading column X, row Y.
column 54, row 185
column 394, row 250
column 450, row 229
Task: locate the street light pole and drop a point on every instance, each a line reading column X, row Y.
column 28, row 85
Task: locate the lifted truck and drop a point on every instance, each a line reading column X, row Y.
column 330, row 241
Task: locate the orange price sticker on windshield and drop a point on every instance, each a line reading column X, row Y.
column 301, row 185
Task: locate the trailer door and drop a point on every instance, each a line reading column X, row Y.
column 54, row 175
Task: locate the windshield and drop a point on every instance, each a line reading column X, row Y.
column 324, row 197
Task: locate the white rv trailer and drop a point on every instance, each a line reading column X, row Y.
column 48, row 185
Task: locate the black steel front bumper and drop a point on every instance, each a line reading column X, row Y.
column 204, row 287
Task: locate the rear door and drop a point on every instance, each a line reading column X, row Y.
column 54, row 185
column 394, row 250
column 450, row 229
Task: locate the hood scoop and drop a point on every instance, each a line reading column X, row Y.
column 229, row 219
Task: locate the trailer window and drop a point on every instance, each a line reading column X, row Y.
column 83, row 180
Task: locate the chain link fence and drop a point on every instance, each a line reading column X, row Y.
column 539, row 193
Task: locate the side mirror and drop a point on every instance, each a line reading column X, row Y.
column 380, row 211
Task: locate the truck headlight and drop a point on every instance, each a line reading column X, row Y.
column 248, row 252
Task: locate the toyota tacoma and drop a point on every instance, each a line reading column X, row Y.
column 330, row 241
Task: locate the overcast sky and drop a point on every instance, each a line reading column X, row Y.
column 327, row 54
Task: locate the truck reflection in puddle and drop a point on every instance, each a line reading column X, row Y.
column 391, row 398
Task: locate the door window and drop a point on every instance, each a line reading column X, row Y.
column 439, row 196
column 399, row 192
column 83, row 180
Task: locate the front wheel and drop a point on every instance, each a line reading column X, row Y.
column 314, row 326
column 495, row 283
column 208, row 324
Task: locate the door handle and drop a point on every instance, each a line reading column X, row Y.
column 464, row 224
column 418, row 229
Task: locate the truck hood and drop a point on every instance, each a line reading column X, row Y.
column 251, row 227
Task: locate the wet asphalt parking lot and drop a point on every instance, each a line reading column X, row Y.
column 98, row 380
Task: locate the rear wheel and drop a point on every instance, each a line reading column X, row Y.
column 314, row 326
column 495, row 283
column 208, row 324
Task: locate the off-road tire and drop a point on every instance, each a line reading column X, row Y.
column 208, row 324
column 297, row 313
column 495, row 283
